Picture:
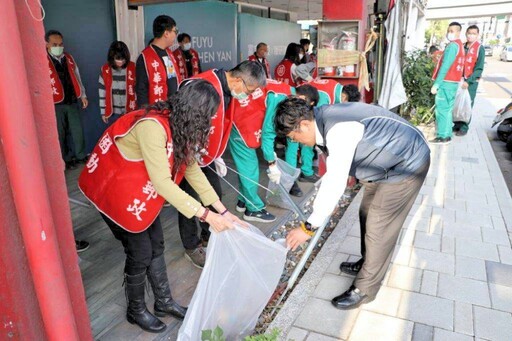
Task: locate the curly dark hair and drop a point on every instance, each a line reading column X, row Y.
column 290, row 113
column 190, row 111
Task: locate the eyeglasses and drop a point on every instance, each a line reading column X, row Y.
column 245, row 85
column 175, row 30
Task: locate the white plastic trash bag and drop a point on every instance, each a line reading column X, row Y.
column 288, row 176
column 462, row 106
column 242, row 270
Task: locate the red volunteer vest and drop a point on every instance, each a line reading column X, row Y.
column 327, row 86
column 249, row 114
column 471, row 58
column 57, row 89
column 456, row 70
column 157, row 74
column 253, row 58
column 221, row 122
column 182, row 64
column 131, row 103
column 119, row 187
column 283, row 72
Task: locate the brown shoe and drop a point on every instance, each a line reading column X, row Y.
column 197, row 256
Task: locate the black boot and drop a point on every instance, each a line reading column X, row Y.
column 352, row 268
column 137, row 313
column 164, row 304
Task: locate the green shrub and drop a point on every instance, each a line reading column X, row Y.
column 218, row 335
column 417, row 79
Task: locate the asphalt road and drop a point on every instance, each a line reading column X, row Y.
column 497, row 87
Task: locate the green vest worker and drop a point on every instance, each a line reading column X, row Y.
column 447, row 75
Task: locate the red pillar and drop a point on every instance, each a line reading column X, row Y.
column 41, row 291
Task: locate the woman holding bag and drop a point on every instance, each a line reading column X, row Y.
column 138, row 164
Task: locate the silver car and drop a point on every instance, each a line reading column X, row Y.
column 506, row 54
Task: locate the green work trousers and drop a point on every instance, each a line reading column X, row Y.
column 445, row 99
column 246, row 162
column 306, row 154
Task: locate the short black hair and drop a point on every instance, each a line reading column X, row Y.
column 290, row 113
column 473, row 27
column 251, row 72
column 305, row 41
column 118, row 50
column 352, row 92
column 308, row 91
column 260, row 45
column 52, row 33
column 182, row 37
column 161, row 24
column 454, row 23
column 432, row 49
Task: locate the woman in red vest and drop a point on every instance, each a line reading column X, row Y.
column 138, row 164
column 117, row 83
column 285, row 70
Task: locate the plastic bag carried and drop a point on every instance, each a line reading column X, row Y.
column 462, row 107
column 242, row 270
column 289, row 174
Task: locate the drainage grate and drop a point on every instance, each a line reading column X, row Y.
column 470, row 160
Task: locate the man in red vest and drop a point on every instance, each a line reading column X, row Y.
column 67, row 89
column 447, row 75
column 187, row 58
column 260, row 56
column 237, row 83
column 473, row 68
column 157, row 75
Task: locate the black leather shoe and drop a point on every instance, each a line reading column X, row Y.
column 164, row 304
column 352, row 268
column 350, row 299
column 296, row 191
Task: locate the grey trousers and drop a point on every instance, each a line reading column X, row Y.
column 382, row 213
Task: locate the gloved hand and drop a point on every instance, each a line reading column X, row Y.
column 220, row 167
column 433, row 90
column 274, row 174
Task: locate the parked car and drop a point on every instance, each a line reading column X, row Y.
column 506, row 54
column 504, row 122
column 488, row 50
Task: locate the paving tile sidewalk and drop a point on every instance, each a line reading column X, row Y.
column 451, row 275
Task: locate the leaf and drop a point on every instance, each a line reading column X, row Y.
column 206, row 335
column 218, row 334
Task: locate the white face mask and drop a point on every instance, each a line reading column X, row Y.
column 301, row 55
column 57, row 51
column 472, row 37
column 119, row 63
column 451, row 36
column 187, row 46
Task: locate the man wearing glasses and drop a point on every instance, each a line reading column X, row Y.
column 233, row 85
column 156, row 69
column 386, row 153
